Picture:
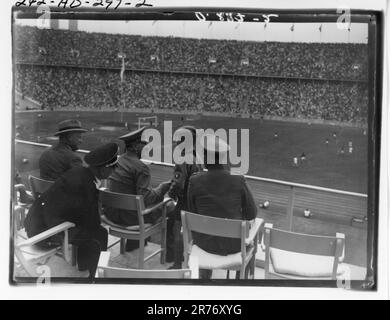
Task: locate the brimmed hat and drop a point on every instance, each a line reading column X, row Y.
column 133, row 136
column 213, row 143
column 67, row 126
column 103, row 156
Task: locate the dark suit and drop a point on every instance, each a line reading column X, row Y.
column 73, row 197
column 57, row 160
column 217, row 193
column 181, row 177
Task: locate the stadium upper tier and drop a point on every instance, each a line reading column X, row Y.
column 76, row 88
column 274, row 59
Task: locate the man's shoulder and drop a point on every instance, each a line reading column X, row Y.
column 198, row 176
column 59, row 149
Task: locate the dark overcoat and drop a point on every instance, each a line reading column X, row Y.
column 73, row 197
column 219, row 194
column 56, row 160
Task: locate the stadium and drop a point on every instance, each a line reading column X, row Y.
column 305, row 105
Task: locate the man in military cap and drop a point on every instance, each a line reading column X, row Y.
column 181, row 175
column 219, row 194
column 62, row 157
column 74, row 197
column 132, row 176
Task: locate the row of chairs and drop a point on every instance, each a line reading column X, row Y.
column 287, row 254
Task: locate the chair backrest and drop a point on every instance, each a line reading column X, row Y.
column 111, row 272
column 123, row 201
column 38, row 185
column 105, row 271
column 318, row 245
column 230, row 228
column 302, row 243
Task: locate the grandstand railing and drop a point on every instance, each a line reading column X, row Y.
column 329, row 205
column 198, row 73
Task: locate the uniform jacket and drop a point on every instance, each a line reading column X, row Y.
column 73, row 197
column 219, row 194
column 132, row 176
column 57, row 160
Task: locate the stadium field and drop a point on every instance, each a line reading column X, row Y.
column 269, row 156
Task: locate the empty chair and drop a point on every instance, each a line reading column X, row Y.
column 290, row 255
column 105, row 271
column 247, row 232
column 139, row 232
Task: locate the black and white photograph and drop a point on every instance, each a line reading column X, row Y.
column 195, row 145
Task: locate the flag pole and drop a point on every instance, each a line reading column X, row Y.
column 122, row 85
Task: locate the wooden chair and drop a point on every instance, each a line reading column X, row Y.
column 243, row 261
column 105, row 271
column 139, row 232
column 290, row 255
column 27, row 253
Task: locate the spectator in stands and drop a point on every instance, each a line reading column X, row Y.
column 74, row 197
column 220, row 86
column 314, row 60
column 132, row 176
column 62, row 157
column 308, row 99
column 219, row 194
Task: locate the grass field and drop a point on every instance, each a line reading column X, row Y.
column 269, row 157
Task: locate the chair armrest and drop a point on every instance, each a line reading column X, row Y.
column 157, row 206
column 20, row 187
column 254, row 230
column 105, row 220
column 46, row 234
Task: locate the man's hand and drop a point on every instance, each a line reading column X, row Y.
column 163, row 187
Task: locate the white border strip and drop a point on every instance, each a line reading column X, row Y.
column 280, row 182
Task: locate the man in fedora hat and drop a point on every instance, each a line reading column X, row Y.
column 219, row 194
column 62, row 157
column 74, row 197
column 132, row 176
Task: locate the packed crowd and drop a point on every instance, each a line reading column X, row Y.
column 59, row 87
column 303, row 60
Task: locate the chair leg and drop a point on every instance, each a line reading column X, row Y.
column 163, row 244
column 73, row 260
column 123, row 246
column 242, row 273
column 141, row 253
column 247, row 271
column 252, row 267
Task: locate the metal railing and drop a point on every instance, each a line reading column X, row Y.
column 286, row 194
